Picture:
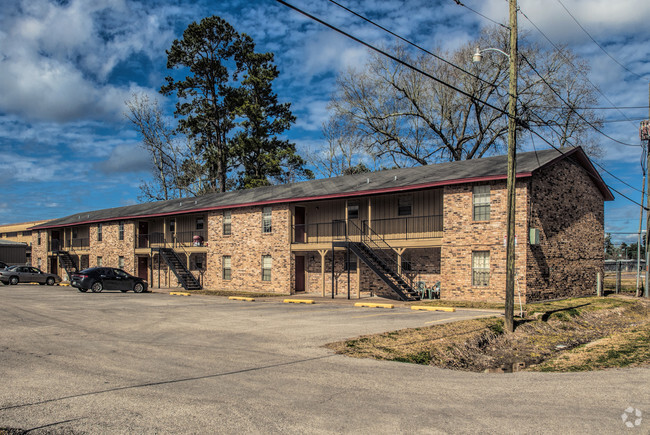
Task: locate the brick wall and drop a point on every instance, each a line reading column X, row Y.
column 246, row 245
column 567, row 208
column 463, row 235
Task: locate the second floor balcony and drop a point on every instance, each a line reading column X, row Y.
column 403, row 229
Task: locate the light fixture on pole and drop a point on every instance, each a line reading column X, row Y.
column 512, row 166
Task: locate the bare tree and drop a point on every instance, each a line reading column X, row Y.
column 409, row 119
column 175, row 173
column 344, row 154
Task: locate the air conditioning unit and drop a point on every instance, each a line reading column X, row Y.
column 533, row 236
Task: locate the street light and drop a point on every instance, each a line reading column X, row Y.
column 477, row 57
column 512, row 165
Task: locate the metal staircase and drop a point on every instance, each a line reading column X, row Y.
column 377, row 254
column 67, row 261
column 184, row 276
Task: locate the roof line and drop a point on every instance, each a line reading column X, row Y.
column 298, row 199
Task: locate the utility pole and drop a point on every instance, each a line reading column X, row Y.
column 638, row 243
column 645, row 134
column 512, row 167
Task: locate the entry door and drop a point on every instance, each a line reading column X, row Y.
column 299, row 235
column 143, row 267
column 300, row 273
column 56, row 241
column 54, row 263
column 143, row 234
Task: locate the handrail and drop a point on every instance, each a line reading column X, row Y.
column 380, row 247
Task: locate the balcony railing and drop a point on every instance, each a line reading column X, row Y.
column 151, row 240
column 403, row 228
column 194, row 238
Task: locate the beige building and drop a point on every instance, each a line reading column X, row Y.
column 11, row 237
column 392, row 233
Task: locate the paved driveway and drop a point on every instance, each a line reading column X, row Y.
column 155, row 363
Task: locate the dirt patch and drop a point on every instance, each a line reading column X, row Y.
column 550, row 330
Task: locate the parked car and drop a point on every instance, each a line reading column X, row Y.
column 3, row 265
column 15, row 274
column 109, row 278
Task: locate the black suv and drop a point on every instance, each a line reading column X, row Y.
column 109, row 278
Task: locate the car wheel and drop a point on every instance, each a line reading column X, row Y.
column 97, row 287
column 82, row 290
column 13, row 280
column 50, row 281
column 138, row 287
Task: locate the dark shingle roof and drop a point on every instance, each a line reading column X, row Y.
column 393, row 180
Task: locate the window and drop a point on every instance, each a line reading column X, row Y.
column 99, row 261
column 99, row 232
column 120, row 230
column 404, row 206
column 75, row 233
column 266, row 268
column 227, row 220
column 406, row 265
column 481, row 268
column 353, row 210
column 226, row 267
column 27, row 233
column 38, row 263
column 120, row 262
column 266, row 220
column 38, row 240
column 12, row 234
column 199, row 223
column 172, row 226
column 352, row 264
column 481, row 202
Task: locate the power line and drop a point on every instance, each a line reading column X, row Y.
column 596, row 42
column 594, row 162
column 572, row 109
column 480, row 14
column 390, row 56
column 557, row 49
column 410, row 43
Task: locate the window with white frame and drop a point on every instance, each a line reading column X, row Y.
column 480, row 268
column 481, row 203
column 99, row 232
column 99, row 262
column 120, row 230
column 227, row 273
column 227, row 221
column 266, row 220
column 120, row 262
column 266, row 267
column 199, row 223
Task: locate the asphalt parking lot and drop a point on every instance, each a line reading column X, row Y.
column 117, row 362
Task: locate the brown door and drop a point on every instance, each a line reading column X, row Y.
column 56, row 241
column 300, row 273
column 54, row 263
column 143, row 234
column 143, row 267
column 299, row 236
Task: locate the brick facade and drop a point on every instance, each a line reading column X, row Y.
column 570, row 219
column 561, row 199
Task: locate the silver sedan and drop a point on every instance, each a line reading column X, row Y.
column 15, row 274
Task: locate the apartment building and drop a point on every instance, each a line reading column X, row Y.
column 390, row 233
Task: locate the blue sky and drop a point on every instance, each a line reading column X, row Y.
column 66, row 68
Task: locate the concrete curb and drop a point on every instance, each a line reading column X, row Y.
column 298, row 301
column 240, row 298
column 428, row 308
column 373, row 305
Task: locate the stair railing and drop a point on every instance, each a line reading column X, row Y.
column 382, row 250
